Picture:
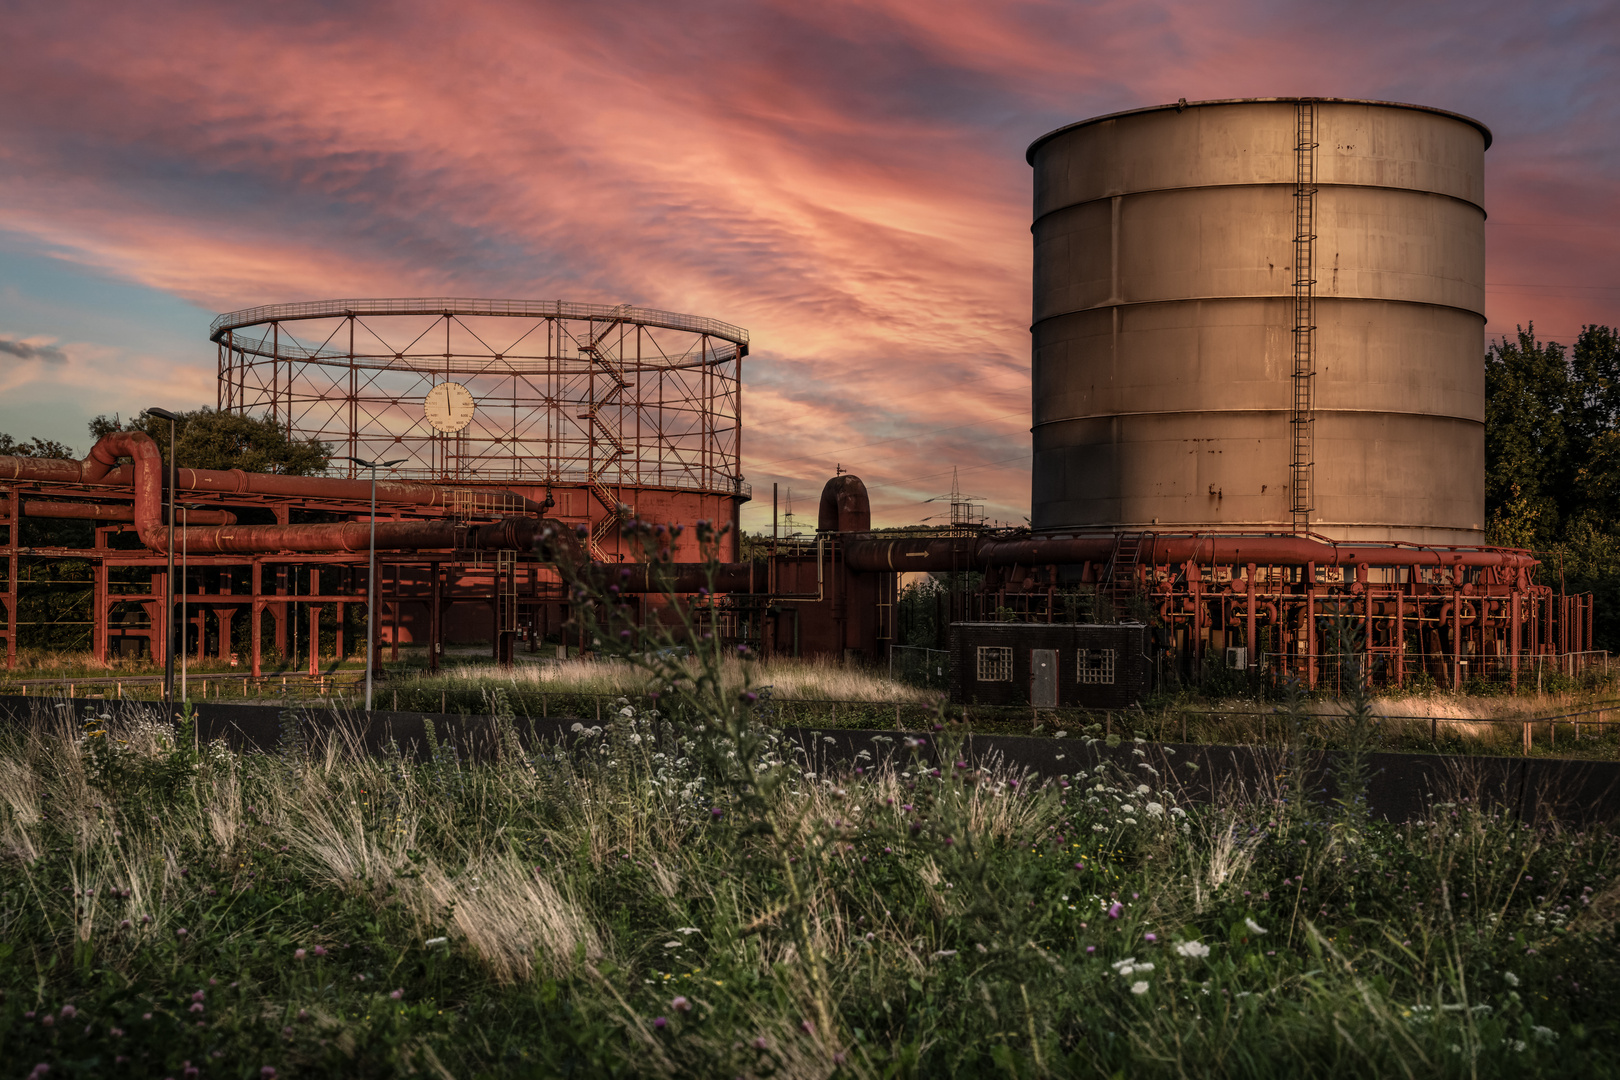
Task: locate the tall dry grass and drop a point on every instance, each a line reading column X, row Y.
column 819, row 679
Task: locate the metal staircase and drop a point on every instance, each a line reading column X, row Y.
column 597, row 425
column 1121, row 579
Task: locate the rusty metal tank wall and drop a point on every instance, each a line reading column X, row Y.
column 1163, row 329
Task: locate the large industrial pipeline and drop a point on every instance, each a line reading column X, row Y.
column 923, row 553
column 145, row 477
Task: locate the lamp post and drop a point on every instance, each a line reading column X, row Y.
column 185, row 626
column 371, row 573
column 168, row 590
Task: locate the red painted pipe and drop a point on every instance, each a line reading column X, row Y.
column 146, row 476
column 76, row 511
column 942, row 554
column 686, row 577
column 102, row 467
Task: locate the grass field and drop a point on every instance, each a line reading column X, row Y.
column 673, row 898
column 828, row 694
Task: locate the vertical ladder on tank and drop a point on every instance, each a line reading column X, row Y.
column 1301, row 418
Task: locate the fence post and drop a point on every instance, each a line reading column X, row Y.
column 1527, row 738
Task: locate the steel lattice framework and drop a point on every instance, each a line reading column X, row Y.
column 585, row 394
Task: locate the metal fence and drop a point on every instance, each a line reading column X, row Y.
column 920, row 667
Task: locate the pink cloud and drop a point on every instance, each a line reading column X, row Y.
column 846, row 180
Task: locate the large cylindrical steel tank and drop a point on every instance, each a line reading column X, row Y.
column 1166, row 302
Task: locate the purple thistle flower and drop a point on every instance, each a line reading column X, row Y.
column 69, row 1012
column 397, row 994
column 1150, row 937
column 268, row 1072
column 320, row 950
column 716, row 813
column 660, row 1022
column 299, row 954
column 1116, row 910
column 680, row 1004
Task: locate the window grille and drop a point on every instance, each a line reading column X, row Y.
column 1096, row 666
column 995, row 663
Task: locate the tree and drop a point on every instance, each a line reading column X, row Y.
column 1552, row 459
column 206, row 439
column 36, row 448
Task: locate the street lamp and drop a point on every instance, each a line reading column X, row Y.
column 185, row 626
column 168, row 591
column 371, row 573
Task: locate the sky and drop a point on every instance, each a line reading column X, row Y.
column 845, row 180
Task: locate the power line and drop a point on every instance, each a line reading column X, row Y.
column 930, row 476
column 881, row 442
column 1541, row 285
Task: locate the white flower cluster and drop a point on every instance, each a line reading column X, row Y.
column 1192, row 950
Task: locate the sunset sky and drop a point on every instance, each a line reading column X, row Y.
column 846, row 180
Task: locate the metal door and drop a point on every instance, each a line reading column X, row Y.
column 1043, row 668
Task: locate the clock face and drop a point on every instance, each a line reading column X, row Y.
column 449, row 407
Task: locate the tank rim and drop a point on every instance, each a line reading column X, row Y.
column 1029, row 154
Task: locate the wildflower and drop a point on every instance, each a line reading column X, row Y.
column 760, row 1043
column 198, row 996
column 1510, row 978
column 1116, row 910
column 182, row 932
column 299, row 954
column 1154, row 809
column 1545, row 1034
column 660, row 1022
column 268, row 1072
column 69, row 1012
column 397, row 994
column 1150, row 938
column 1254, row 927
column 680, row 1004
column 1193, row 950
column 687, row 930
column 320, row 950
column 1139, row 987
column 196, row 1006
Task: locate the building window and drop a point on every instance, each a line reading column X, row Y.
column 995, row 664
column 1096, row 665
